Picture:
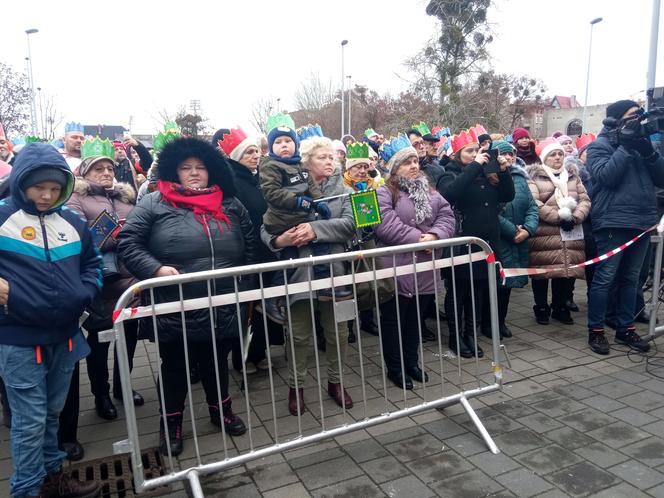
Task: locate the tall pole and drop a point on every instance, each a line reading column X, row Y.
column 652, row 56
column 33, row 104
column 590, row 49
column 350, row 103
column 42, row 124
column 343, row 87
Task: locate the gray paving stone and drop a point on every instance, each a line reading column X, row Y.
column 618, row 434
column 364, row 450
column 637, row 474
column 617, row 389
column 656, row 428
column 273, row 476
column 644, row 400
column 519, row 441
column 540, row 396
column 633, row 416
column 582, row 479
column 587, row 420
column 409, row 486
column 296, row 490
column 569, row 438
column 328, row 472
column 360, row 486
column 314, row 458
column 576, row 391
column 384, row 469
column 398, row 435
column 603, row 403
column 444, row 429
column 469, row 485
column 439, row 467
column 601, row 455
column 513, row 409
column 623, row 490
column 494, row 465
column 524, row 483
column 657, row 491
column 540, row 422
column 649, row 451
column 417, row 447
column 467, row 444
column 548, row 459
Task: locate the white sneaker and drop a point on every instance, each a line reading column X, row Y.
column 250, row 368
column 263, row 364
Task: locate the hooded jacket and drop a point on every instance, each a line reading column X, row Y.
column 623, row 185
column 158, row 234
column 49, row 259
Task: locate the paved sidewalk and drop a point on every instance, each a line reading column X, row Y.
column 567, row 422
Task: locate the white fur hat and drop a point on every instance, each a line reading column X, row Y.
column 549, row 148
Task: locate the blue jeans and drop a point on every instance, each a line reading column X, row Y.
column 617, row 275
column 36, row 394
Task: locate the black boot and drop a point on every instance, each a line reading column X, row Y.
column 463, row 350
column 561, row 313
column 105, row 407
column 233, row 425
column 469, row 339
column 542, row 314
column 351, row 332
column 60, row 485
column 174, row 422
column 427, row 334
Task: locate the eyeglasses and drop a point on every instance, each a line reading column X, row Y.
column 418, row 143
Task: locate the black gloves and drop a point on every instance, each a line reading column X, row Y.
column 567, row 225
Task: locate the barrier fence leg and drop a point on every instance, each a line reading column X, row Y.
column 195, row 484
column 480, row 426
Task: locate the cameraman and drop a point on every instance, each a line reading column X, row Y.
column 625, row 170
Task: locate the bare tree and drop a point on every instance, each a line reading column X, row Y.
column 260, row 111
column 51, row 117
column 314, row 94
column 15, row 101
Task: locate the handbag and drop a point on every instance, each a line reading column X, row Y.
column 110, row 268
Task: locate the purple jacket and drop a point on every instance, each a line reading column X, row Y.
column 399, row 227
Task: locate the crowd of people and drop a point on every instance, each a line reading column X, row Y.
column 84, row 219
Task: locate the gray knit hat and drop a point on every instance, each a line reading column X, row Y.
column 45, row 174
column 399, row 157
column 88, row 162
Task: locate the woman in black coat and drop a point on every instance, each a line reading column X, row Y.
column 476, row 195
column 193, row 222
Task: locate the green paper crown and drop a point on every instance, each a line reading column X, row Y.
column 422, row 128
column 279, row 120
column 98, row 147
column 357, row 150
column 170, row 133
column 370, row 132
column 30, row 139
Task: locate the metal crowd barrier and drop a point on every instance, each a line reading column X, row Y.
column 655, row 330
column 452, row 379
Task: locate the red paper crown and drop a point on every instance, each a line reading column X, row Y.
column 584, row 140
column 464, row 138
column 478, row 129
column 231, row 140
column 540, row 146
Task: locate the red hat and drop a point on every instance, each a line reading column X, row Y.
column 520, row 133
column 119, row 145
column 463, row 139
column 235, row 143
column 584, row 141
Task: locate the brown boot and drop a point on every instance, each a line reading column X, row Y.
column 338, row 394
column 293, row 395
column 60, row 485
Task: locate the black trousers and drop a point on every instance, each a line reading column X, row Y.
column 174, row 371
column 97, row 360
column 560, row 291
column 409, row 318
column 69, row 414
column 464, row 305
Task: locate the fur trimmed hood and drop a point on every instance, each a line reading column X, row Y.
column 123, row 191
column 535, row 170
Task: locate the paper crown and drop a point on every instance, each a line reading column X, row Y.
column 357, row 150
column 97, row 147
column 467, row 137
column 370, row 132
column 229, row 141
column 2, row 131
column 439, row 132
column 585, row 139
column 170, row 133
column 73, row 126
column 422, row 128
column 309, row 131
column 479, row 130
column 393, row 145
column 280, row 119
column 29, row 139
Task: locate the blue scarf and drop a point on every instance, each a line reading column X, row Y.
column 294, row 159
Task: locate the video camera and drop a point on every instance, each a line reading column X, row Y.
column 651, row 121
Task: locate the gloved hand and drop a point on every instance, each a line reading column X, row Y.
column 567, row 225
column 323, row 210
column 361, row 186
column 630, row 134
column 305, row 203
column 644, row 147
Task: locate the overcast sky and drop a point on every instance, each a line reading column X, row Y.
column 106, row 64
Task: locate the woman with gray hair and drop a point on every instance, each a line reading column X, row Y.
column 318, row 158
column 412, row 212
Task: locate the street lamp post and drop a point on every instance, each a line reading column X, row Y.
column 350, row 105
column 33, row 109
column 343, row 89
column 590, row 48
column 652, row 57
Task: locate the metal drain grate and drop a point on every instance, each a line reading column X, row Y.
column 115, row 476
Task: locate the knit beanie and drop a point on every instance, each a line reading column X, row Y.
column 241, row 148
column 88, row 162
column 483, row 137
column 282, row 131
column 520, row 133
column 338, row 145
column 502, row 146
column 549, row 148
column 399, row 157
column 44, row 174
column 562, row 139
column 617, row 109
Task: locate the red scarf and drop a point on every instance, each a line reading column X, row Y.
column 205, row 203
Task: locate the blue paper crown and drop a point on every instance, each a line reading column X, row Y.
column 309, row 131
column 73, row 126
column 443, row 132
column 393, row 145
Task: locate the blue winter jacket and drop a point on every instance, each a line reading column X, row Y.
column 49, row 260
column 623, row 185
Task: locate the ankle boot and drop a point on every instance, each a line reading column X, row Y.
column 174, row 421
column 542, row 314
column 293, row 396
column 60, row 485
column 339, row 395
column 561, row 313
column 469, row 340
column 462, row 350
column 233, row 424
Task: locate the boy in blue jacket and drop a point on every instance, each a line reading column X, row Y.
column 50, row 271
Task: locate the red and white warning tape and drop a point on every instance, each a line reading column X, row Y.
column 519, row 272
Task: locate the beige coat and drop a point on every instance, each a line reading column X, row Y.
column 547, row 249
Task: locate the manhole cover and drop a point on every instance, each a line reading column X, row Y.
column 115, row 476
